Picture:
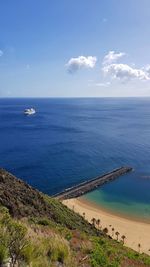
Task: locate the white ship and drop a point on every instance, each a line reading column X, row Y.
column 29, row 111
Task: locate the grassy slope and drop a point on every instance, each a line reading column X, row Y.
column 51, row 224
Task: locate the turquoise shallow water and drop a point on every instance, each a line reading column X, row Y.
column 119, row 205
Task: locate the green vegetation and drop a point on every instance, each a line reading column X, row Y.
column 109, row 253
column 68, row 218
column 38, row 243
column 39, row 231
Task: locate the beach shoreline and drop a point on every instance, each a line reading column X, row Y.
column 110, row 211
column 135, row 231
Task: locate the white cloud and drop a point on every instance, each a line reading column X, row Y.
column 74, row 64
column 125, row 72
column 112, row 57
column 147, row 69
column 1, row 53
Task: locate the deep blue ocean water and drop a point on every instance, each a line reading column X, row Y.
column 71, row 140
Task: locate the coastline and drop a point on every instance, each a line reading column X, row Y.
column 114, row 213
column 136, row 232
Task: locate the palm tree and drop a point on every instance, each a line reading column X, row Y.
column 117, row 234
column 139, row 246
column 98, row 222
column 93, row 220
column 105, row 230
column 123, row 238
column 113, row 231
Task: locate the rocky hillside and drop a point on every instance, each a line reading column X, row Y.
column 24, row 201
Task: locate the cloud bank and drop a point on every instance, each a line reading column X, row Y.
column 76, row 63
column 123, row 71
column 111, row 68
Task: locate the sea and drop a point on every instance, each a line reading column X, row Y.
column 71, row 140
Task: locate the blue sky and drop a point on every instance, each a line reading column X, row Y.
column 74, row 48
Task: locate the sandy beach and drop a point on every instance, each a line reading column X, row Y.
column 135, row 232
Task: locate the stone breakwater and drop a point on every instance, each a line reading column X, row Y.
column 87, row 186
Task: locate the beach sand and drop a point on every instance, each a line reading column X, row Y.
column 136, row 232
